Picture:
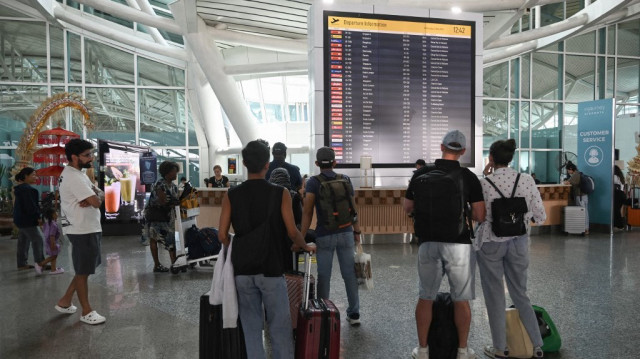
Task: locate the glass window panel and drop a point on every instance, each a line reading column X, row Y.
column 611, row 63
column 557, row 46
column 602, row 77
column 301, row 160
column 545, row 81
column 107, row 16
column 178, row 155
column 496, row 79
column 629, row 36
column 273, row 95
column 7, row 159
column 551, row 13
column 514, row 121
column 611, row 40
column 107, row 65
column 24, row 51
column 7, row 12
column 152, row 73
column 194, row 168
column 570, row 128
column 526, row 22
column 193, row 138
column 585, row 43
column 162, row 117
column 17, row 105
column 525, row 126
column 627, row 82
column 573, row 6
column 75, row 57
column 526, row 75
column 113, row 113
column 545, row 165
column 602, row 41
column 57, row 53
column 546, row 125
column 523, row 162
column 273, row 112
column 515, row 28
column 56, row 90
column 514, row 89
column 515, row 161
column 579, row 78
column 494, row 118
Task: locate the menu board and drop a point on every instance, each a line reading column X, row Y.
column 395, row 85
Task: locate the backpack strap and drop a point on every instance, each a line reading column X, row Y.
column 515, row 185
column 496, row 187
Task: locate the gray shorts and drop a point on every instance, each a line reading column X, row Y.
column 456, row 260
column 85, row 252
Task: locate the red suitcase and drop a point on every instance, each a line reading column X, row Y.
column 295, row 290
column 318, row 330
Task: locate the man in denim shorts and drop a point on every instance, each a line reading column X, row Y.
column 445, row 189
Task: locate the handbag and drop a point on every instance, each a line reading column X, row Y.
column 363, row 268
column 518, row 340
column 157, row 214
column 508, row 213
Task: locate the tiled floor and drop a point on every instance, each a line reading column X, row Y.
column 590, row 286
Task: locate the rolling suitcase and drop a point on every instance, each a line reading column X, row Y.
column 318, row 329
column 295, row 290
column 216, row 342
column 574, row 217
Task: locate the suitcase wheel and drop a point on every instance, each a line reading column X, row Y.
column 175, row 270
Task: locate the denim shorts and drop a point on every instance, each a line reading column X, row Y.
column 455, row 260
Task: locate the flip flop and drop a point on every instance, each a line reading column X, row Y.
column 68, row 310
column 93, row 318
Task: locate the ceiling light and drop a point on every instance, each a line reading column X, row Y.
column 456, row 10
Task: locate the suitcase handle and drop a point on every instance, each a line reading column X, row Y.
column 307, row 281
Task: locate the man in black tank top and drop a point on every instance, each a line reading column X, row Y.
column 261, row 214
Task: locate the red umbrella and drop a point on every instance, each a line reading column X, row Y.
column 56, row 135
column 54, row 155
column 49, row 174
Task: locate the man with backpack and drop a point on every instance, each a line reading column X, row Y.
column 337, row 230
column 439, row 196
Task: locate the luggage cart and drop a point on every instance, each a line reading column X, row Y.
column 182, row 224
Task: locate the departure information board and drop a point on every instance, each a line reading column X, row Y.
column 394, row 86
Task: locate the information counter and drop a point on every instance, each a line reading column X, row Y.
column 380, row 210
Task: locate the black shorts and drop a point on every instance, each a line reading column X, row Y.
column 85, row 252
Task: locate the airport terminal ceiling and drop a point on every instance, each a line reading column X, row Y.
column 238, row 23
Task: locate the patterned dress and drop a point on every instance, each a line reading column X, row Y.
column 164, row 232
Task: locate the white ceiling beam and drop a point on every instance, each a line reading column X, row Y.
column 267, row 68
column 131, row 14
column 570, row 23
column 94, row 25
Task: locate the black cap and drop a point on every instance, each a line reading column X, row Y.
column 325, row 155
column 421, row 162
column 279, row 148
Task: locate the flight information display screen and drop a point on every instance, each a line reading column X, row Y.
column 395, row 85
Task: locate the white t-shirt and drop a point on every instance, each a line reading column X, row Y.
column 75, row 187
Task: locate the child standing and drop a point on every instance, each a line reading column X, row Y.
column 52, row 241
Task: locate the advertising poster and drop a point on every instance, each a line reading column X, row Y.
column 148, row 168
column 595, row 155
column 232, row 166
column 123, row 191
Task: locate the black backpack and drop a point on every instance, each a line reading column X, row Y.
column 587, row 185
column 443, row 335
column 440, row 206
column 334, row 197
column 508, row 213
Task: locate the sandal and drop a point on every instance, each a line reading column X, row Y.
column 93, row 318
column 160, row 269
column 66, row 310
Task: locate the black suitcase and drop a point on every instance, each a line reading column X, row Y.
column 443, row 335
column 216, row 342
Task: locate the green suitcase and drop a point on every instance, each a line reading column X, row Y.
column 550, row 335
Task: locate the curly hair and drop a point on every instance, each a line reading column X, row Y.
column 166, row 167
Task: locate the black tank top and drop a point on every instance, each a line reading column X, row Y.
column 249, row 209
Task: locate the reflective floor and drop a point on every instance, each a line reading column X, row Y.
column 589, row 285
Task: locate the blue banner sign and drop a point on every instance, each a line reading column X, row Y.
column 595, row 155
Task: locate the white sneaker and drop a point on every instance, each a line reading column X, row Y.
column 492, row 352
column 468, row 353
column 420, row 353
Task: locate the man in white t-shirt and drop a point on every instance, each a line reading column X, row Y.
column 80, row 202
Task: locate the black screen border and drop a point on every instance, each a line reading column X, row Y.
column 327, row 79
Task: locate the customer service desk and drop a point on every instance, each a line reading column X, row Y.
column 380, row 209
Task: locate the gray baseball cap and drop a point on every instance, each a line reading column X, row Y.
column 325, row 155
column 454, row 140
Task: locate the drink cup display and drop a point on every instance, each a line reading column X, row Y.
column 112, row 198
column 128, row 189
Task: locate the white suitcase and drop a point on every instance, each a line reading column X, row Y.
column 574, row 218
